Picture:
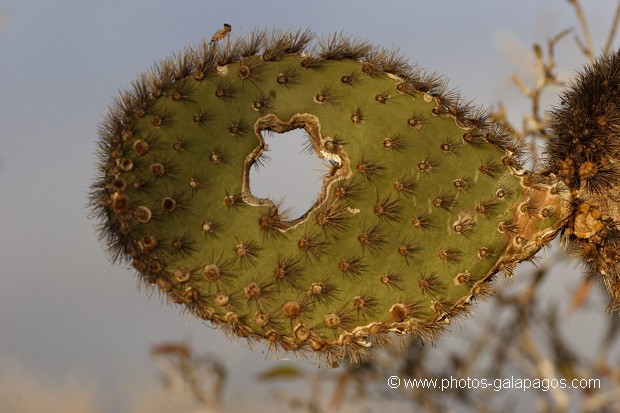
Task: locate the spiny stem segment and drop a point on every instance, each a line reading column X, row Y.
column 416, row 197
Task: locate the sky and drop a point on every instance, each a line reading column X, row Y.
column 65, row 310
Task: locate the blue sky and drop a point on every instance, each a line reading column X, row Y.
column 64, row 309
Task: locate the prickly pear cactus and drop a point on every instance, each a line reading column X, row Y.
column 425, row 201
column 584, row 151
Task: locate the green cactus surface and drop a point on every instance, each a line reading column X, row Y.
column 425, row 201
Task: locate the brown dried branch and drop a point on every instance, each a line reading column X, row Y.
column 612, row 31
column 586, row 48
column 545, row 370
column 201, row 377
column 533, row 123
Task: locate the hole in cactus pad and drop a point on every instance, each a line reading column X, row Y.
column 288, row 173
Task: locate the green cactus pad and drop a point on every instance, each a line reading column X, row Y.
column 425, row 200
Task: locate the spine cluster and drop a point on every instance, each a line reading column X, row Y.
column 584, row 151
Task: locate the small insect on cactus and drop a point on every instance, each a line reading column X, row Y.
column 425, row 202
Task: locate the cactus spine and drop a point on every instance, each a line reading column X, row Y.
column 584, row 150
column 426, row 200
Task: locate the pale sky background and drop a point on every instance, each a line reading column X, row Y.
column 64, row 309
